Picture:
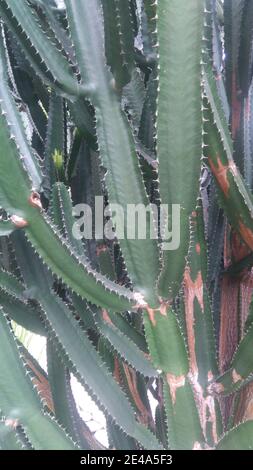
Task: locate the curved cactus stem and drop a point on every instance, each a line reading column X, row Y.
column 55, row 28
column 234, row 195
column 64, row 404
column 123, row 345
column 120, row 323
column 10, row 113
column 23, row 405
column 22, row 312
column 61, row 210
column 79, row 276
column 200, row 331
column 122, row 337
column 123, row 178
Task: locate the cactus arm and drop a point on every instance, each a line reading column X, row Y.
column 235, row 197
column 54, row 61
column 121, row 336
column 179, row 122
column 123, row 345
column 186, row 379
column 179, row 150
column 168, row 353
column 22, row 313
column 119, row 39
column 26, row 55
column 55, row 27
column 81, row 278
column 14, row 182
column 128, row 330
column 9, row 110
column 19, row 400
column 238, row 438
column 116, row 147
column 61, row 207
column 200, row 330
column 64, row 405
column 14, row 302
column 119, row 324
column 11, row 285
column 116, row 319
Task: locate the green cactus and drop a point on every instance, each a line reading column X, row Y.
column 145, row 106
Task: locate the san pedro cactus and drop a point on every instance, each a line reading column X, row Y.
column 142, row 109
